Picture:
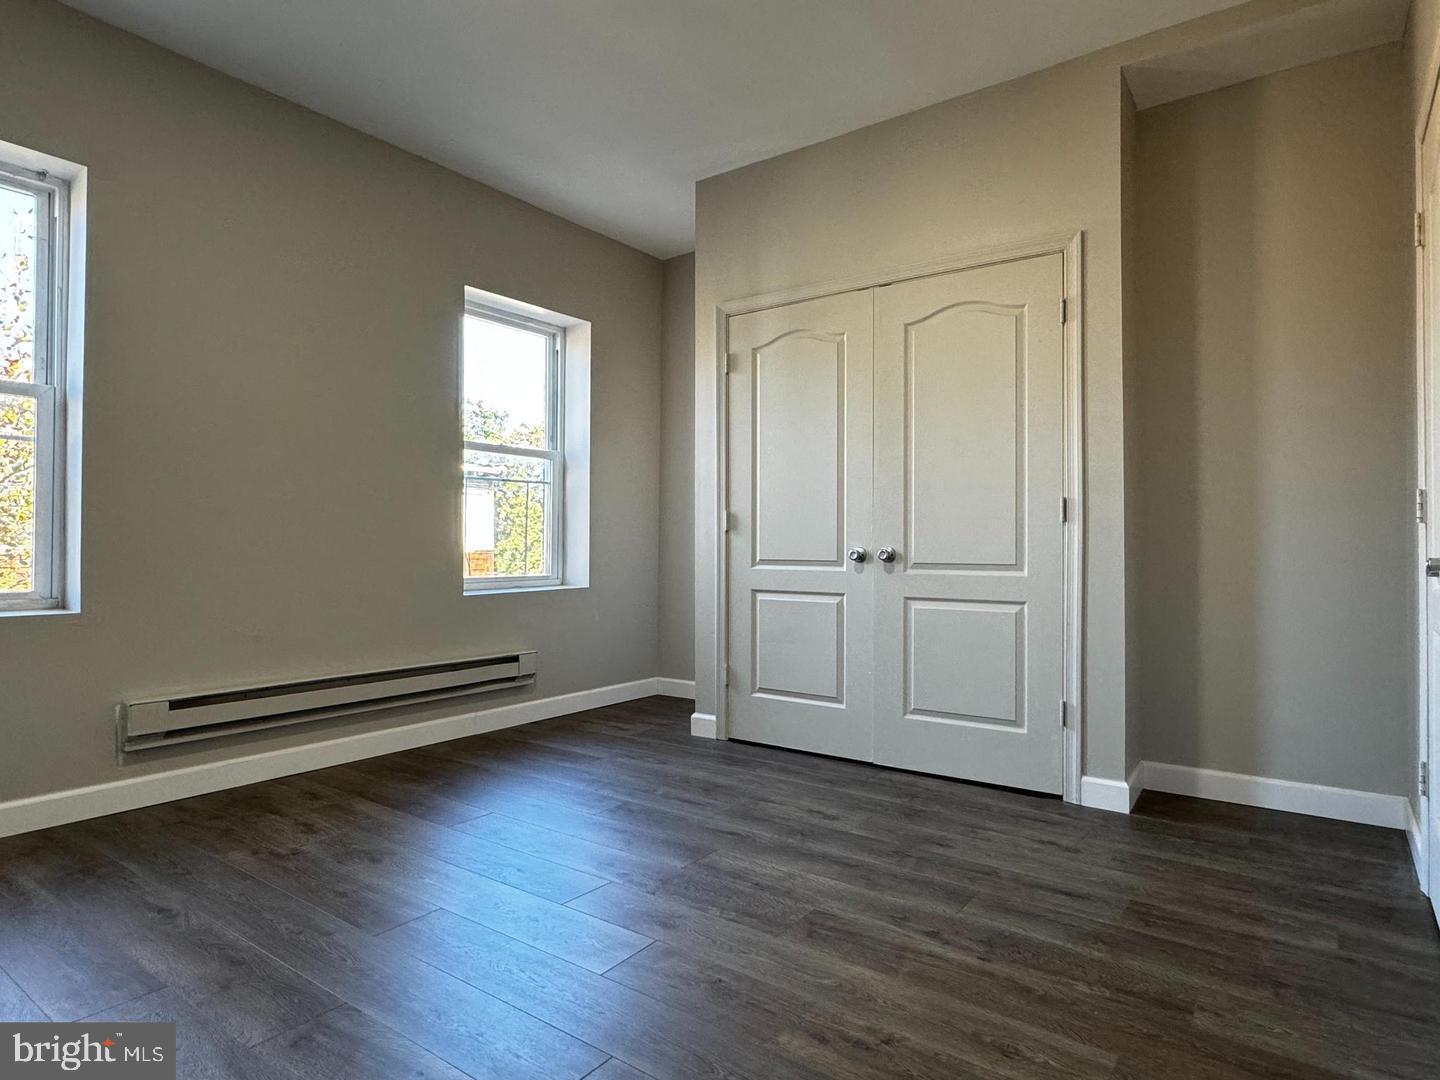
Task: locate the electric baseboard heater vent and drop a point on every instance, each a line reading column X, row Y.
column 147, row 724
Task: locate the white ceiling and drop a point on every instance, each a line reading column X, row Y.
column 607, row 111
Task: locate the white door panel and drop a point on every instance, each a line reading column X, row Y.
column 969, row 412
column 800, row 645
column 969, row 462
column 1429, row 463
column 799, row 387
column 801, row 614
column 991, row 637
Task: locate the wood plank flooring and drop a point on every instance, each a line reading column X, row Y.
column 603, row 896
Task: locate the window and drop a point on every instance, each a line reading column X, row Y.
column 512, row 416
column 34, row 208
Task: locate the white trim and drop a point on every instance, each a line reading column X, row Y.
column 50, row 378
column 506, row 450
column 1072, row 247
column 1076, row 509
column 131, row 793
column 681, row 688
column 720, row 519
column 1414, row 835
column 1050, row 244
column 490, row 307
column 703, row 726
column 1317, row 800
column 1117, row 796
column 519, row 590
column 1420, row 834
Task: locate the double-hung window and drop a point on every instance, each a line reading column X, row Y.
column 33, row 218
column 512, row 417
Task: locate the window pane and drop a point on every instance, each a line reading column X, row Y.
column 505, row 384
column 17, row 416
column 19, row 254
column 507, row 503
column 17, row 494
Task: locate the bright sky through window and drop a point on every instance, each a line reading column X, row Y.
column 19, row 413
column 17, row 284
column 505, row 372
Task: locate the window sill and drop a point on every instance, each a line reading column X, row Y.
column 9, row 613
column 512, row 590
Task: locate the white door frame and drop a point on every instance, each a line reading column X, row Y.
column 1069, row 245
column 1419, row 831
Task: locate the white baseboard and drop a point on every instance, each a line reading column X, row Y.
column 1417, row 848
column 1116, row 795
column 1317, row 800
column 131, row 793
column 681, row 688
column 703, row 725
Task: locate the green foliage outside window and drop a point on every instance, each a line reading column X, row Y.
column 519, row 506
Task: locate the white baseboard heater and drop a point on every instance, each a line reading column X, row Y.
column 209, row 715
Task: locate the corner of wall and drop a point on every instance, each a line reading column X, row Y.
column 675, row 629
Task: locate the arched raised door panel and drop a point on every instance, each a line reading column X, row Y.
column 798, row 426
column 965, row 482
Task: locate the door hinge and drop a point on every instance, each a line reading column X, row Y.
column 1064, row 510
column 1064, row 309
column 727, row 677
column 725, row 521
column 1424, row 779
column 1420, row 230
column 1420, row 506
column 727, row 363
column 1064, row 714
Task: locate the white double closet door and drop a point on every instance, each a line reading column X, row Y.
column 925, row 417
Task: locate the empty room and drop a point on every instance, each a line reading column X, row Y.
column 545, row 539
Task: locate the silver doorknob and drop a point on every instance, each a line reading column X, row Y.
column 886, row 554
column 857, row 554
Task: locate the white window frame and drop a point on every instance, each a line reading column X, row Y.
column 49, row 388
column 554, row 453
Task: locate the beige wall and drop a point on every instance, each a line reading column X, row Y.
column 1422, row 40
column 270, row 416
column 1272, row 427
column 677, row 472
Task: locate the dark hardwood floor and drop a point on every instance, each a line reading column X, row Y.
column 604, row 896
